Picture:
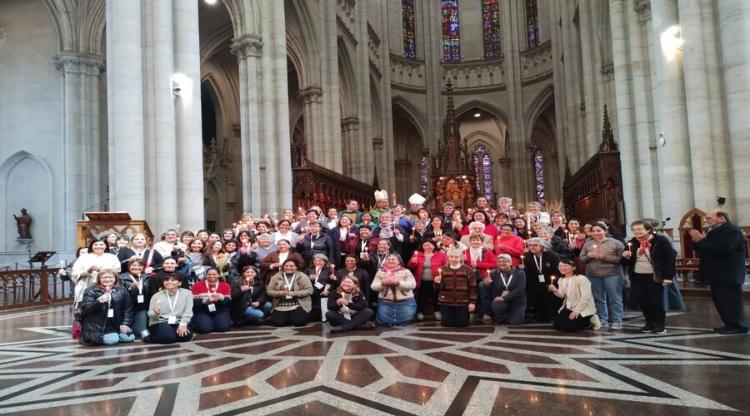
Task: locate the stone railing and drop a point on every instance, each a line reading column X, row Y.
column 33, row 287
column 536, row 63
column 407, row 73
column 475, row 75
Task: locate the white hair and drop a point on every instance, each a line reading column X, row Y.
column 477, row 224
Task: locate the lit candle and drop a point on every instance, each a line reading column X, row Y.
column 629, row 245
column 552, row 279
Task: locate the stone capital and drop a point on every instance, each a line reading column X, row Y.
column 311, row 95
column 349, row 123
column 79, row 63
column 377, row 143
column 246, row 46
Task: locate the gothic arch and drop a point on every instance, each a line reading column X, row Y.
column 415, row 116
column 539, row 104
column 80, row 26
column 39, row 177
column 347, row 82
column 474, row 104
column 302, row 42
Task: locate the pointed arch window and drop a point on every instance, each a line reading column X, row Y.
column 532, row 23
column 539, row 174
column 482, row 163
column 423, row 179
column 491, row 27
column 409, row 29
column 451, row 31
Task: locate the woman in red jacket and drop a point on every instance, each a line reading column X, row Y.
column 507, row 243
column 425, row 265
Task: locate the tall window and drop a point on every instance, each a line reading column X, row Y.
column 532, row 24
column 483, row 172
column 491, row 25
column 410, row 46
column 539, row 174
column 423, row 180
column 451, row 31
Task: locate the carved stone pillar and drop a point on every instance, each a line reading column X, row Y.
column 82, row 137
column 349, row 136
column 313, row 110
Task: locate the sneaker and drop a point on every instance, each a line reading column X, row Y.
column 616, row 325
column 487, row 319
column 647, row 328
column 420, row 317
column 368, row 325
column 659, row 329
column 337, row 329
column 596, row 324
column 438, row 316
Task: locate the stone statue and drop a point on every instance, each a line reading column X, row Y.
column 24, row 224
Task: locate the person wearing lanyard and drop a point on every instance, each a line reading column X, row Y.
column 106, row 312
column 540, row 264
column 395, row 286
column 212, row 299
column 291, row 292
column 170, row 312
column 507, row 289
column 138, row 285
column 578, row 310
column 347, row 307
column 320, row 277
column 457, row 288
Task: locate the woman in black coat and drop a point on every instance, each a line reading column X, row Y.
column 540, row 264
column 140, row 288
column 250, row 303
column 106, row 312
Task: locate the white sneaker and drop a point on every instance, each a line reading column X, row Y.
column 616, row 325
column 420, row 317
column 487, row 319
column 596, row 324
column 438, row 316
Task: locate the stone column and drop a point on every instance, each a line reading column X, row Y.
column 592, row 108
column 349, row 138
column 127, row 181
column 625, row 116
column 313, row 107
column 576, row 145
column 82, row 137
column 431, row 35
column 674, row 159
column 355, row 152
column 379, row 157
column 187, row 111
column 330, row 153
column 734, row 24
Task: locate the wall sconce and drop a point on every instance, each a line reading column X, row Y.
column 671, row 42
column 182, row 86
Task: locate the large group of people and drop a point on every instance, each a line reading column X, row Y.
column 389, row 266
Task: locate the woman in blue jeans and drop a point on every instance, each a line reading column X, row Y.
column 250, row 303
column 395, row 286
column 602, row 256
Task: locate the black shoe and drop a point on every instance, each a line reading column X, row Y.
column 732, row 331
column 647, row 328
column 337, row 330
column 659, row 329
column 719, row 328
column 368, row 325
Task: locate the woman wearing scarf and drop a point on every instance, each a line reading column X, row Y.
column 425, row 266
column 651, row 263
column 577, row 311
column 290, row 291
column 347, row 307
column 212, row 299
column 458, row 290
column 321, row 279
column 395, row 284
column 249, row 301
column 482, row 261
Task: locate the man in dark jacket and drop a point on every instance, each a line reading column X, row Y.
column 314, row 242
column 506, row 289
column 722, row 250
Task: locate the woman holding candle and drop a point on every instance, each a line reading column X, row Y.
column 87, row 266
column 395, row 286
column 508, row 243
column 506, row 290
column 273, row 262
column 211, row 308
column 343, row 239
column 577, row 311
column 249, row 301
column 347, row 307
column 320, row 275
column 602, row 256
column 290, row 291
column 457, row 287
column 170, row 312
column 540, row 264
column 425, row 266
column 106, row 312
column 139, row 286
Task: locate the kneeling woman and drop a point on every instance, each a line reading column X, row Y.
column 169, row 312
column 347, row 307
column 211, row 299
column 291, row 292
column 395, row 286
column 458, row 291
column 578, row 310
column 106, row 312
column 249, row 300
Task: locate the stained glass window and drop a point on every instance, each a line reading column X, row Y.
column 423, row 180
column 539, row 174
column 451, row 31
column 491, row 27
column 410, row 46
column 532, row 24
column 483, row 171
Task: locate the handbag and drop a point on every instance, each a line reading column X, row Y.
column 656, row 276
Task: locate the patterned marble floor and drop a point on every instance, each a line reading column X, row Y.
column 421, row 369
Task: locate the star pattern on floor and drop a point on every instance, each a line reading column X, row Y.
column 420, row 369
